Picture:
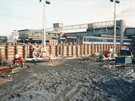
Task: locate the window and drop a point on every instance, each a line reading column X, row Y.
column 97, row 40
column 104, row 40
column 109, row 40
column 117, row 40
column 84, row 39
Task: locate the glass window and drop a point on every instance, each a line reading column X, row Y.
column 109, row 40
column 117, row 40
column 84, row 39
column 93, row 40
column 127, row 40
column 104, row 40
column 90, row 39
column 97, row 40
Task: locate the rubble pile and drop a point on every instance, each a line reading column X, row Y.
column 75, row 81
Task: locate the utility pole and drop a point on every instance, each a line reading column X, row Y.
column 114, row 49
column 14, row 36
column 44, row 23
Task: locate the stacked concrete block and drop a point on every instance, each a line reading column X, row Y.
column 118, row 48
column 82, row 50
column 2, row 53
column 92, row 48
column 89, row 49
column 107, row 46
column 69, row 51
column 101, row 46
column 26, row 51
column 53, row 50
column 57, row 50
column 85, row 50
column 61, row 50
column 48, row 48
column 53, row 42
column 111, row 45
column 10, row 52
column 74, row 50
column 78, row 51
column 19, row 50
column 96, row 48
column 64, row 50
column 104, row 47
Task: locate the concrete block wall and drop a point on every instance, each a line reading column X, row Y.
column 69, row 51
column 20, row 50
column 9, row 51
column 74, row 51
column 3, row 53
column 53, row 50
column 78, row 51
column 27, row 51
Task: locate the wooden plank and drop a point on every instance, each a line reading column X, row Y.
column 4, row 67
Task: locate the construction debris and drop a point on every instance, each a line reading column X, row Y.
column 2, row 81
column 3, row 68
column 74, row 80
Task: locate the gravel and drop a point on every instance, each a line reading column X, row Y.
column 70, row 80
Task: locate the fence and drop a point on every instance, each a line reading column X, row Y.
column 9, row 51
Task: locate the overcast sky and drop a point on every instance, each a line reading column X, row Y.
column 28, row 14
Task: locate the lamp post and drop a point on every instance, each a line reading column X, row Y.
column 114, row 1
column 15, row 33
column 44, row 23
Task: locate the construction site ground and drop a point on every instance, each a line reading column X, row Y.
column 69, row 80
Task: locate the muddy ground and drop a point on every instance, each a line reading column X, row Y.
column 70, row 80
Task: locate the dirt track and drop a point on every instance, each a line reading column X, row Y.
column 70, row 80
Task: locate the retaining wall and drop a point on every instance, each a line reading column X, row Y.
column 9, row 51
